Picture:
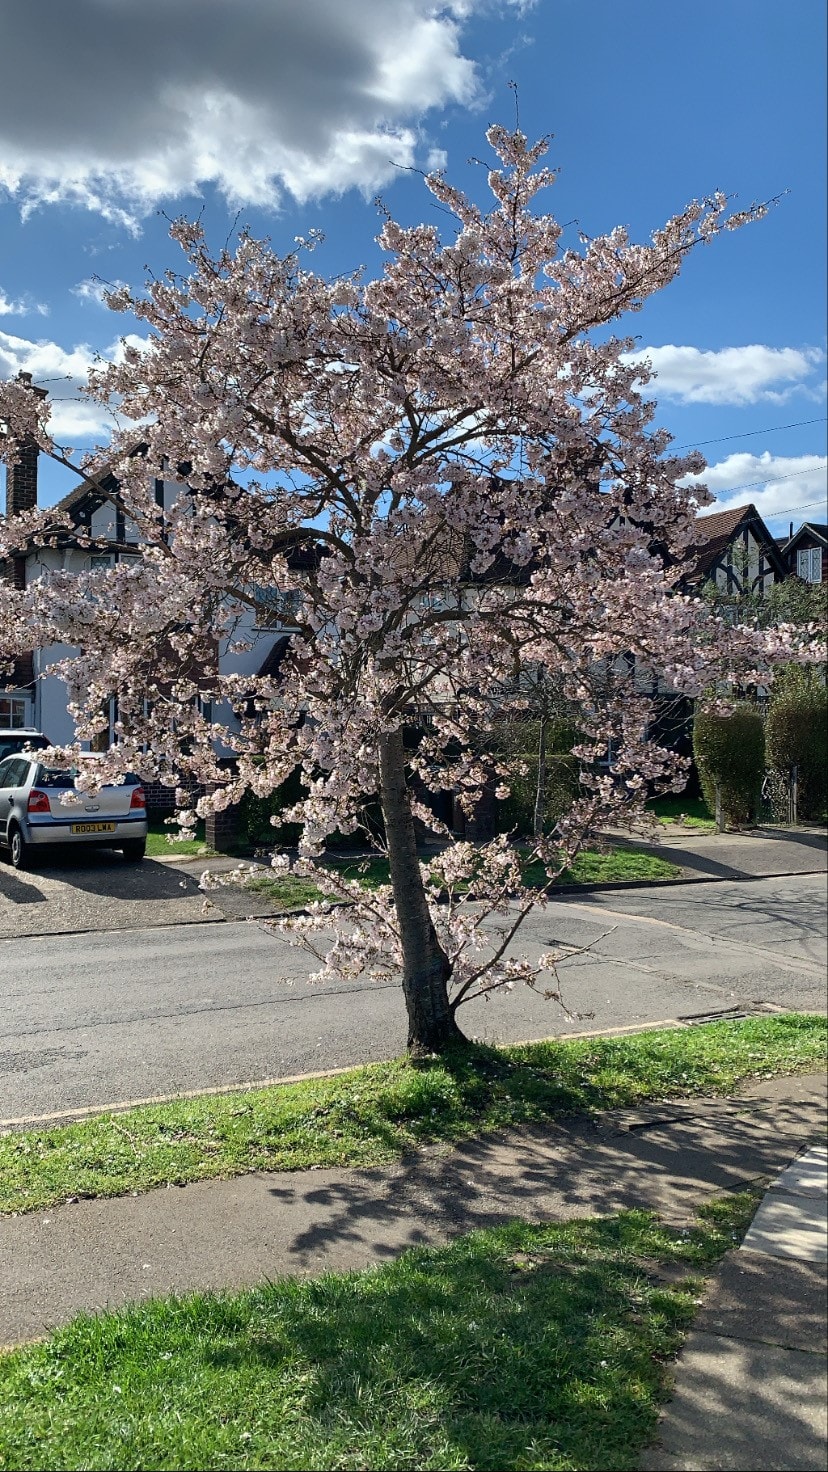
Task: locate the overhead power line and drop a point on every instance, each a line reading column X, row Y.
column 787, row 509
column 746, row 434
column 770, row 480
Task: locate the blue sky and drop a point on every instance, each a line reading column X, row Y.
column 114, row 113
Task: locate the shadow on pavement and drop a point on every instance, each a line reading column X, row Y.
column 754, row 919
column 15, row 889
column 742, row 1404
column 804, row 838
column 668, row 1160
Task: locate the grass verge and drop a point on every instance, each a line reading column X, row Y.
column 609, row 868
column 590, row 867
column 519, row 1347
column 373, row 1114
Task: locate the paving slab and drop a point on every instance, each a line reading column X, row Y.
column 790, row 1226
column 755, row 1296
column 751, row 1379
column 743, row 1406
column 807, row 1175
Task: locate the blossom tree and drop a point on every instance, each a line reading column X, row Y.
column 453, row 470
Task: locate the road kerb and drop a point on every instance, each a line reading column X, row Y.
column 85, row 1111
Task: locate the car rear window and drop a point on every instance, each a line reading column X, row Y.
column 65, row 777
column 9, row 745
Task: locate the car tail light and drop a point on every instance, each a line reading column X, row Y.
column 38, row 802
column 139, row 798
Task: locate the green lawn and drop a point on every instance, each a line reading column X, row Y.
column 159, row 846
column 290, row 891
column 618, row 864
column 519, row 1347
column 374, row 1114
column 692, row 812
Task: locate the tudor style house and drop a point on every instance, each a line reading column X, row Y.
column 32, row 696
column 735, row 554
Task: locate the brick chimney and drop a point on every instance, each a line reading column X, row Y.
column 21, row 478
column 21, row 495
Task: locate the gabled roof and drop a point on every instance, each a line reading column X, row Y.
column 816, row 529
column 718, row 531
column 91, row 490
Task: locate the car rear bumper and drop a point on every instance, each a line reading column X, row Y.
column 122, row 829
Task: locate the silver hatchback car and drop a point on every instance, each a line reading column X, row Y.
column 33, row 815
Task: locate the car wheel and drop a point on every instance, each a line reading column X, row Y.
column 134, row 850
column 18, row 848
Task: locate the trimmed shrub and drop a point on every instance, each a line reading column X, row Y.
column 797, row 736
column 730, row 751
column 517, row 811
column 516, row 743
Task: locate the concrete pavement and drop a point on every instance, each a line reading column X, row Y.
column 756, row 853
column 751, row 1381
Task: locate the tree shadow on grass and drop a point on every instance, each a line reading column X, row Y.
column 546, row 1341
column 667, row 1156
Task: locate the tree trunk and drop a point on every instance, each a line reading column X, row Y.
column 540, row 794
column 426, row 967
column 100, row 741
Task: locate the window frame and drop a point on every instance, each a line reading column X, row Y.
column 809, row 564
column 21, row 701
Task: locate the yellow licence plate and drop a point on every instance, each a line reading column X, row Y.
column 92, row 827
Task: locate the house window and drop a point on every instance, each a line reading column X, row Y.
column 809, row 564
column 13, row 712
column 275, row 607
column 99, row 561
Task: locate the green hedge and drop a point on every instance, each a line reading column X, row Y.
column 516, row 743
column 254, row 826
column 797, row 736
column 517, row 811
column 730, row 753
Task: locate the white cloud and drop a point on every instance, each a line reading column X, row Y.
column 254, row 96
column 777, row 485
column 75, row 420
column 92, row 290
column 743, row 375
column 21, row 307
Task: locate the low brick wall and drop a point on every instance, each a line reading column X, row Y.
column 161, row 799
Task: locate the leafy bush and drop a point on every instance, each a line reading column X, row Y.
column 516, row 743
column 254, row 826
column 797, row 736
column 730, row 751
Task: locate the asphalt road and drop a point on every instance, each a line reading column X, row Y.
column 102, row 1018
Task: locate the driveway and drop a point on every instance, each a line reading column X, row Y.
column 97, row 891
column 104, row 1018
